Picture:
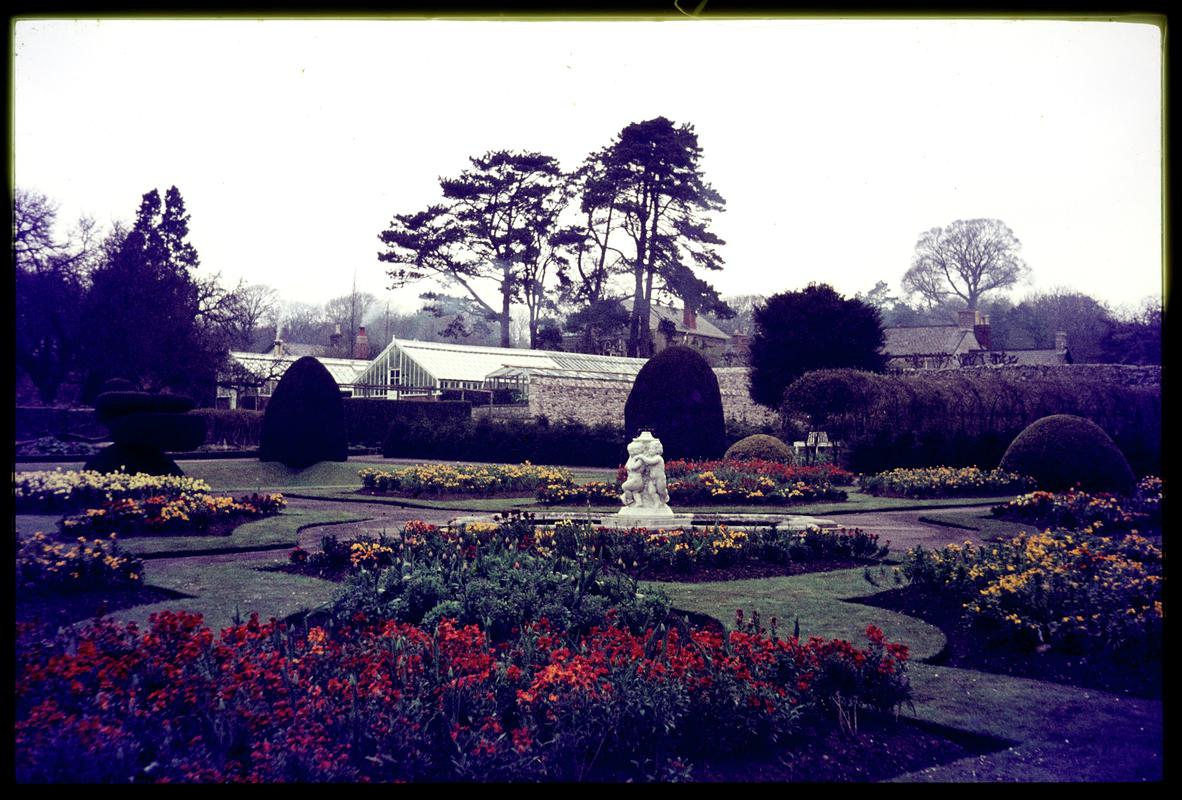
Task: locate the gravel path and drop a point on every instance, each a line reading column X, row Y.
column 904, row 530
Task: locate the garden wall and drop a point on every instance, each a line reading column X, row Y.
column 597, row 401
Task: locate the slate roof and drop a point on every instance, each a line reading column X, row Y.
column 704, row 327
column 929, row 340
column 299, row 349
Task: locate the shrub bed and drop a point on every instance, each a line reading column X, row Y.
column 57, row 490
column 491, row 652
column 1069, row 591
column 46, row 566
column 479, row 479
column 752, row 481
column 1076, row 510
column 735, row 481
column 944, row 482
column 187, row 514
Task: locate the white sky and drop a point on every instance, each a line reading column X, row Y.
column 835, row 143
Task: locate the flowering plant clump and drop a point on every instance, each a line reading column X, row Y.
column 482, row 479
column 369, row 699
column 1097, row 513
column 1063, row 589
column 44, row 565
column 945, row 482
column 739, row 481
column 183, row 514
column 591, row 493
column 77, row 489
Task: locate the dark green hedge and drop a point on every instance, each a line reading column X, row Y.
column 163, row 431
column 1063, row 451
column 676, row 396
column 509, row 442
column 111, row 405
column 238, row 427
column 368, row 419
column 304, row 423
column 967, row 417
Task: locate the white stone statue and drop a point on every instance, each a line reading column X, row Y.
column 644, row 492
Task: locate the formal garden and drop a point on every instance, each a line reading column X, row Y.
column 309, row 615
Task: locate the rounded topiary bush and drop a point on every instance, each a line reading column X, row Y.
column 1062, row 451
column 760, row 445
column 676, row 397
column 305, row 420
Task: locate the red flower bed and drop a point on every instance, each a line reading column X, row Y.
column 381, row 701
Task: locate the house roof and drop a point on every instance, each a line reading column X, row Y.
column 929, row 340
column 460, row 362
column 345, row 371
column 702, row 326
column 1038, row 357
column 299, row 349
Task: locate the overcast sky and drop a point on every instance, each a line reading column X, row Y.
column 835, row 143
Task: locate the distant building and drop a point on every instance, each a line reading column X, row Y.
column 668, row 325
column 965, row 344
column 249, row 379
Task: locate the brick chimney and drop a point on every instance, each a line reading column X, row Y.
column 361, row 345
column 967, row 319
column 1060, row 340
column 981, row 331
column 689, row 319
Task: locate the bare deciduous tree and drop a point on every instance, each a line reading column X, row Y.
column 966, row 260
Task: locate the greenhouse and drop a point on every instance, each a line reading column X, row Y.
column 410, row 369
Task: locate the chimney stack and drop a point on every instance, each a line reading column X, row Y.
column 1060, row 340
column 361, row 345
column 967, row 319
column 981, row 331
column 689, row 319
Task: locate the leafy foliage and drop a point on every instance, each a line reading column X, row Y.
column 1062, row 451
column 305, row 421
column 759, row 445
column 816, row 328
column 676, row 396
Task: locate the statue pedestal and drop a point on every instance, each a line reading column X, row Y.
column 661, row 517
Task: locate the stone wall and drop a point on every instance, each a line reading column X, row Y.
column 594, row 401
column 1117, row 374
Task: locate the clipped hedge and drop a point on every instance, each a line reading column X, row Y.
column 368, row 419
column 676, row 396
column 507, row 442
column 304, row 423
column 112, row 405
column 238, row 427
column 759, row 445
column 968, row 417
column 1063, row 451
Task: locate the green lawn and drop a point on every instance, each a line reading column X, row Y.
column 1061, row 733
column 271, row 533
column 980, row 520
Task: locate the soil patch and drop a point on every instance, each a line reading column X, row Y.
column 882, row 748
column 54, row 611
column 967, row 647
column 749, row 570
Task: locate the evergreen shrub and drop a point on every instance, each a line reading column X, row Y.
column 368, row 419
column 761, row 446
column 507, row 442
column 968, row 417
column 304, row 423
column 239, row 427
column 676, row 396
column 1062, row 451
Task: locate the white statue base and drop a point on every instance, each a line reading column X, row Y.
column 644, row 493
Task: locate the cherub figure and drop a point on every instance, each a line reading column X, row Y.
column 634, row 484
column 656, row 485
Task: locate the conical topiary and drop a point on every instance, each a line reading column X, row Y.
column 305, row 419
column 676, row 396
column 1062, row 451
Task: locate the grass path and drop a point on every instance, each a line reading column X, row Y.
column 1061, row 733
